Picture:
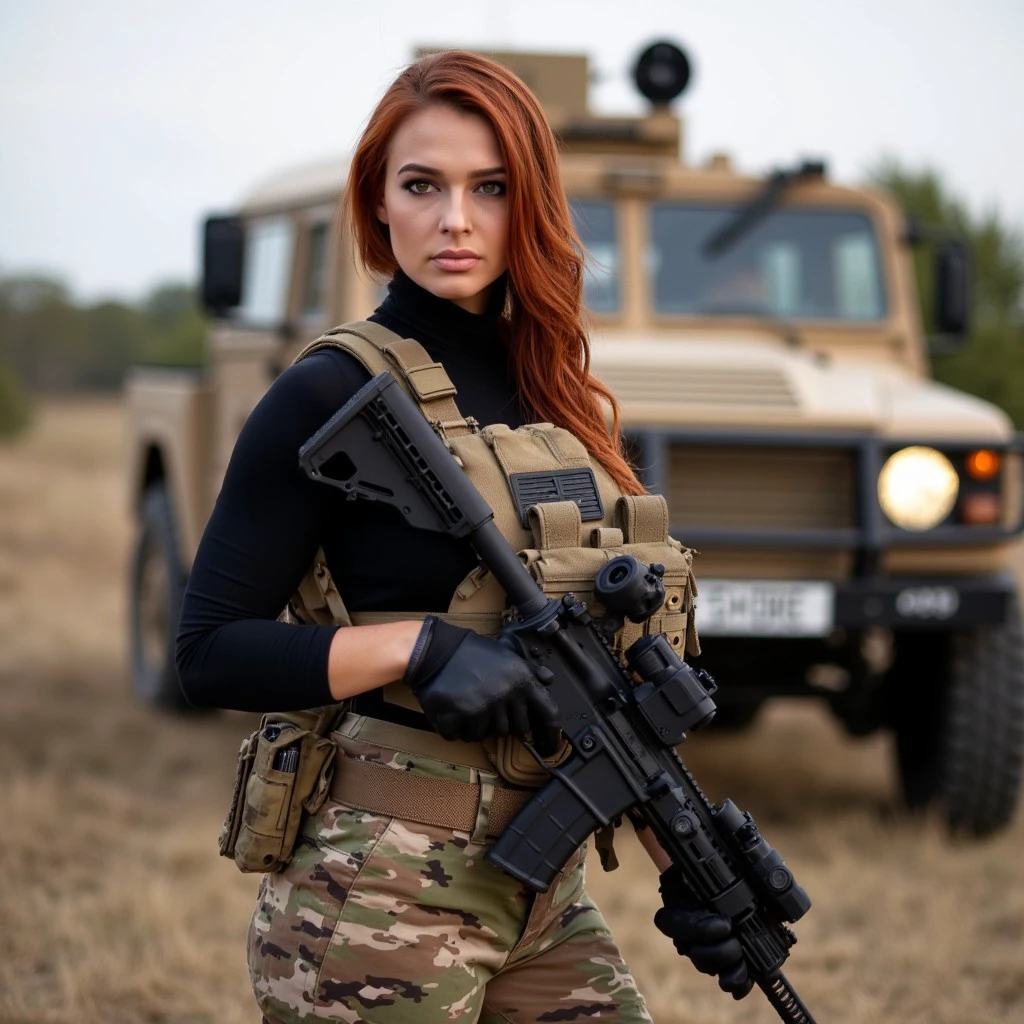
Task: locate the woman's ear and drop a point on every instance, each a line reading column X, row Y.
column 382, row 211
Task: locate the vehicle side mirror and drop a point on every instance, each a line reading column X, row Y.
column 223, row 264
column 952, row 292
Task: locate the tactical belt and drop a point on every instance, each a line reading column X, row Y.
column 394, row 736
column 481, row 808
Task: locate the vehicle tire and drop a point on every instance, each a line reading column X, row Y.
column 958, row 719
column 157, row 590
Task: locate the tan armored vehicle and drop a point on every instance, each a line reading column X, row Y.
column 764, row 338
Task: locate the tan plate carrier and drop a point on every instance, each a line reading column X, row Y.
column 562, row 553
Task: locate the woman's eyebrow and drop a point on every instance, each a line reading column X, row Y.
column 423, row 169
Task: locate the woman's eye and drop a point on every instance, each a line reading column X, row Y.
column 419, row 187
column 492, row 188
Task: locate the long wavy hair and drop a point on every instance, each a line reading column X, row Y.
column 549, row 347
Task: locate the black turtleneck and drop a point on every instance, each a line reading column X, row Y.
column 270, row 519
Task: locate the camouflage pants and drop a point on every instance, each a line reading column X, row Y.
column 384, row 921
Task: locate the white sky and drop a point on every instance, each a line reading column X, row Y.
column 123, row 121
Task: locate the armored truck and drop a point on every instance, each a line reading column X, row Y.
column 764, row 336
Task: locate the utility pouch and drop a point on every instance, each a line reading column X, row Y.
column 284, row 770
column 515, row 764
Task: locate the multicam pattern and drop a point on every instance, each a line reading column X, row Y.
column 383, row 921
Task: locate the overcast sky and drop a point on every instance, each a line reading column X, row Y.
column 123, row 121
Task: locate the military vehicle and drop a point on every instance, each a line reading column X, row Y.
column 764, row 337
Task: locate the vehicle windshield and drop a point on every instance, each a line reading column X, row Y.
column 793, row 264
column 595, row 224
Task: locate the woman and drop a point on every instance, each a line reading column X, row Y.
column 454, row 193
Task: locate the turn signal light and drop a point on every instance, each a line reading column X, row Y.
column 980, row 509
column 983, row 464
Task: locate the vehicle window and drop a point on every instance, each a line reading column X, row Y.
column 794, row 264
column 268, row 259
column 314, row 297
column 595, row 224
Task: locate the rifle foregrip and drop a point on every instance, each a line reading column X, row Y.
column 536, row 844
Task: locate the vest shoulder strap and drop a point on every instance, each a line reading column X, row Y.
column 426, row 381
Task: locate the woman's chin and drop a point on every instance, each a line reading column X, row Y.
column 469, row 291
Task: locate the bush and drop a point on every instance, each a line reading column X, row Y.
column 15, row 409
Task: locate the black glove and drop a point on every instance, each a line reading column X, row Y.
column 470, row 687
column 706, row 938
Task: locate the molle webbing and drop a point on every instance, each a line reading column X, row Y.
column 643, row 518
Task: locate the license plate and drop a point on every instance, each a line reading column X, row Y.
column 764, row 608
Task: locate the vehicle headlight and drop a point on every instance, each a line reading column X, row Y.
column 917, row 488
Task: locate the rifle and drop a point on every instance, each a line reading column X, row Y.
column 379, row 447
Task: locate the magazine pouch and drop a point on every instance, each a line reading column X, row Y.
column 284, row 771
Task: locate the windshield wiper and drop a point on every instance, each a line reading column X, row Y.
column 752, row 214
column 762, row 315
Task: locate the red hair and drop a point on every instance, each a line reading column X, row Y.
column 551, row 363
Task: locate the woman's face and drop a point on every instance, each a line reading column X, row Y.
column 445, row 204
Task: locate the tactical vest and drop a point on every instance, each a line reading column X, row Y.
column 554, row 504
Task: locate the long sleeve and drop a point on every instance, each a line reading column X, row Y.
column 265, row 528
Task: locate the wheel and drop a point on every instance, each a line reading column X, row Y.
column 157, row 590
column 958, row 719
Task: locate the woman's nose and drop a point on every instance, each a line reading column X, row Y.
column 455, row 216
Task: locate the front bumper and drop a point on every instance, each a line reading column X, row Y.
column 924, row 603
column 865, row 529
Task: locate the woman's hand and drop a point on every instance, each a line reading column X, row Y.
column 471, row 687
column 704, row 937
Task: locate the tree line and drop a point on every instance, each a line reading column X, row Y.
column 991, row 365
column 49, row 343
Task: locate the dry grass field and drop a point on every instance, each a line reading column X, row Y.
column 115, row 909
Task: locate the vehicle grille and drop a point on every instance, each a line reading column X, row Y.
column 706, row 386
column 762, row 488
column 730, row 562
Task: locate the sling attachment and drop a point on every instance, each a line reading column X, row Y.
column 319, row 597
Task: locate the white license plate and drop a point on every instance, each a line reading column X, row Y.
column 764, row 608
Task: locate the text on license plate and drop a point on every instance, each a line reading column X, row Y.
column 764, row 607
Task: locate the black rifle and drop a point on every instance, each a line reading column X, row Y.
column 379, row 447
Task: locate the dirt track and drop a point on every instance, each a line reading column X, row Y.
column 116, row 909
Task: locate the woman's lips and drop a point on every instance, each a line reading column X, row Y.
column 455, row 263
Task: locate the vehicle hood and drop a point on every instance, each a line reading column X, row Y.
column 746, row 381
